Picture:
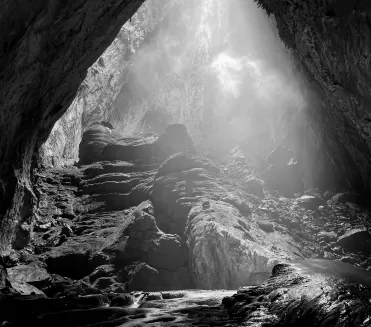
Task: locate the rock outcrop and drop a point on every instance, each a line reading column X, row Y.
column 284, row 173
column 95, row 99
column 45, row 54
column 118, row 240
column 329, row 40
column 306, row 293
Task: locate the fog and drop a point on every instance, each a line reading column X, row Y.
column 219, row 67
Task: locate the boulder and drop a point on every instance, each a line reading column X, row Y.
column 310, row 202
column 174, row 139
column 340, row 198
column 284, row 173
column 280, row 157
column 255, row 187
column 286, row 180
column 137, row 149
column 150, row 148
column 139, row 239
column 294, row 296
column 221, row 253
column 31, row 273
column 142, row 277
column 183, row 162
column 94, row 139
column 356, row 240
column 25, row 288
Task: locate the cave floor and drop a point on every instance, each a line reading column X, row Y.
column 133, row 242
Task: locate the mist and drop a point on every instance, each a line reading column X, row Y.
column 219, row 67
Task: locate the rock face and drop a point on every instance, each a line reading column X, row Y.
column 355, row 240
column 104, row 79
column 297, row 290
column 328, row 39
column 45, row 54
column 146, row 213
column 107, row 233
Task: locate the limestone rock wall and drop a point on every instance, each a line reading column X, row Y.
column 97, row 93
column 46, row 49
column 331, row 41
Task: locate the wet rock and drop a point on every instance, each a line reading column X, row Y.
column 310, row 202
column 142, row 277
column 294, row 295
column 122, row 300
column 66, row 287
column 356, row 240
column 154, row 296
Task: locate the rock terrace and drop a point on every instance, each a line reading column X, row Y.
column 119, row 238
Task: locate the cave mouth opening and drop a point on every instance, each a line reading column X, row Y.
column 179, row 188
column 219, row 67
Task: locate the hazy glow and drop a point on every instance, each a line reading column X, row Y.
column 228, row 71
column 219, row 67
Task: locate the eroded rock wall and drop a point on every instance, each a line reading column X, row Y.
column 96, row 95
column 46, row 50
column 331, row 41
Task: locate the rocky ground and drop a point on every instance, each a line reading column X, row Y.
column 118, row 238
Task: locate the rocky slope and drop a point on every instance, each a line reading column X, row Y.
column 114, row 237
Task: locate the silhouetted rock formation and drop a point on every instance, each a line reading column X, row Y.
column 284, row 173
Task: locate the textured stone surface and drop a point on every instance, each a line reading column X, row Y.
column 96, row 95
column 45, row 54
column 330, row 41
column 306, row 293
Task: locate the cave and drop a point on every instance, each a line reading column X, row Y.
column 185, row 162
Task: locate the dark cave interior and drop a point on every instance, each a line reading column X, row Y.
column 178, row 163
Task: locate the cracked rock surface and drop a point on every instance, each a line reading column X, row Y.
column 118, row 242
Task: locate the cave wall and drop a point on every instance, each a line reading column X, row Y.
column 96, row 95
column 46, row 50
column 331, row 41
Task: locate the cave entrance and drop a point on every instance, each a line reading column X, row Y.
column 218, row 67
